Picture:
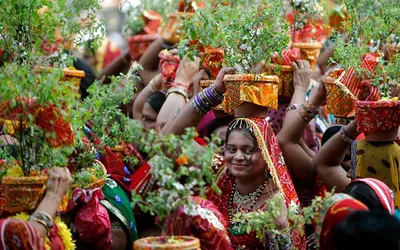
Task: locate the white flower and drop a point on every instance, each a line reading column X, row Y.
column 178, row 186
column 244, row 47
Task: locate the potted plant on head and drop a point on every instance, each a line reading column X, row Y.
column 36, row 110
column 248, row 34
column 142, row 24
column 178, row 175
column 41, row 33
column 171, row 32
column 308, row 28
column 373, row 81
column 37, row 114
column 107, row 126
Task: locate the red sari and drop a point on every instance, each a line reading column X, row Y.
column 142, row 181
column 272, row 154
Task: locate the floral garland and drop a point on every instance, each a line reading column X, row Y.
column 63, row 232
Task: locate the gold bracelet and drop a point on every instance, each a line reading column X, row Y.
column 43, row 218
column 178, row 90
column 42, row 223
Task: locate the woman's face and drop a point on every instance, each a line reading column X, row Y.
column 149, row 116
column 243, row 157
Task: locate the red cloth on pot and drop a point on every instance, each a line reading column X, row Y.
column 373, row 116
column 92, row 221
column 313, row 30
column 360, row 86
column 288, row 56
column 168, row 65
column 152, row 20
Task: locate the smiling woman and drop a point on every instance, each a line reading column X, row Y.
column 253, row 174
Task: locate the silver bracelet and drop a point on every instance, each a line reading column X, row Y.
column 344, row 136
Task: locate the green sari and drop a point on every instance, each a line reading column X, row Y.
column 118, row 204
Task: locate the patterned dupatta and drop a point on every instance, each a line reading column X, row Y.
column 272, row 155
column 334, row 211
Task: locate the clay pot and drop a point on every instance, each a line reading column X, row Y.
column 74, row 76
column 309, row 52
column 179, row 243
column 23, row 193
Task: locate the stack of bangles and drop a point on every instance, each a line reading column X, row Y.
column 307, row 111
column 206, row 100
column 178, row 88
column 44, row 219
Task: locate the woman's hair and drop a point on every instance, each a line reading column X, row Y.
column 331, row 131
column 156, row 100
column 242, row 127
column 368, row 230
column 217, row 123
column 365, row 194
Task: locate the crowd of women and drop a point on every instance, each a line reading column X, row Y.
column 264, row 153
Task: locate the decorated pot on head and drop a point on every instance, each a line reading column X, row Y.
column 261, row 90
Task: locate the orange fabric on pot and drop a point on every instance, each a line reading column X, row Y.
column 50, row 119
column 258, row 89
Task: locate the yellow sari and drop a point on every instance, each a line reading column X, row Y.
column 380, row 160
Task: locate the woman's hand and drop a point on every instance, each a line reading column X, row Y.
column 301, row 74
column 219, row 82
column 158, row 82
column 202, row 75
column 59, row 182
column 282, row 221
column 187, row 70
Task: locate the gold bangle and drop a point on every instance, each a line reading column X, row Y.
column 178, row 90
column 43, row 218
column 42, row 223
column 47, row 215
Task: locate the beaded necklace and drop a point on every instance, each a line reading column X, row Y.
column 252, row 198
